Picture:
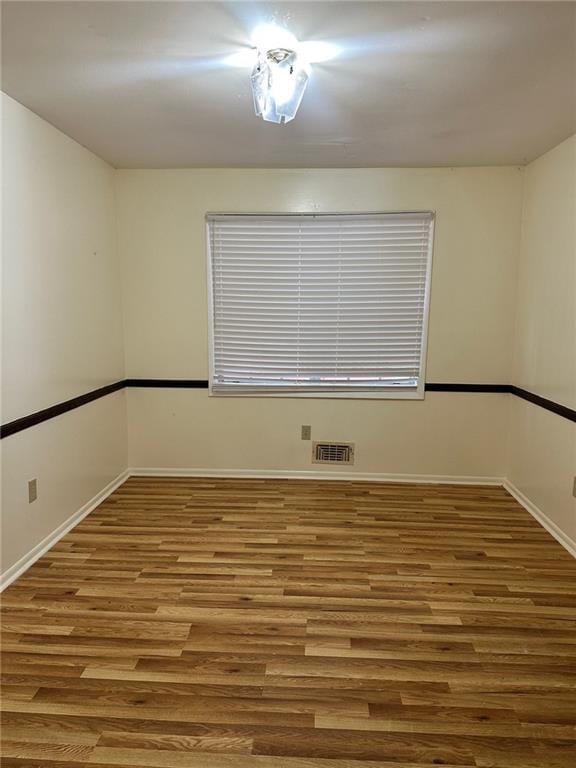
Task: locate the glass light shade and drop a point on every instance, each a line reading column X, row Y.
column 278, row 84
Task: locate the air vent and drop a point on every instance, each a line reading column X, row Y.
column 333, row 453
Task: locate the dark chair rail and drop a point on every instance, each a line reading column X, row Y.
column 13, row 427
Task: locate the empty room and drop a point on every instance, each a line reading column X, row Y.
column 288, row 384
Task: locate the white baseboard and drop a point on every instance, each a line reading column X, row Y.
column 16, row 570
column 560, row 536
column 281, row 474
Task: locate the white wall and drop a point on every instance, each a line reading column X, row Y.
column 163, row 251
column 62, row 326
column 542, row 461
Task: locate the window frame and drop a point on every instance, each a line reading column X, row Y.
column 370, row 393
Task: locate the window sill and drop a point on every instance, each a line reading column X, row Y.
column 414, row 394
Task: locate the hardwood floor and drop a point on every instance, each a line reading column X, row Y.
column 287, row 624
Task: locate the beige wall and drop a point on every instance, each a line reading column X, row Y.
column 163, row 250
column 62, row 326
column 542, row 461
column 65, row 331
column 445, row 435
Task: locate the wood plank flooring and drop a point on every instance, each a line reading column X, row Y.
column 287, row 624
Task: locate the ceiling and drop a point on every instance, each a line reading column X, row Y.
column 146, row 85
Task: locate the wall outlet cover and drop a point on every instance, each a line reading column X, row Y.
column 32, row 490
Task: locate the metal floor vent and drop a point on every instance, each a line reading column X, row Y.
column 333, row 453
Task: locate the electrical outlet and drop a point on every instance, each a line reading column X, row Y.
column 32, row 490
column 306, row 432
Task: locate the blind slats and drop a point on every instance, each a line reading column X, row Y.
column 318, row 303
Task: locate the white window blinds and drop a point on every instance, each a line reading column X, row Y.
column 319, row 303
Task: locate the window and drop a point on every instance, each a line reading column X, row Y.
column 319, row 304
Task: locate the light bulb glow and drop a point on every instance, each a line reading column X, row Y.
column 282, row 86
column 316, row 51
column 243, row 58
column 268, row 36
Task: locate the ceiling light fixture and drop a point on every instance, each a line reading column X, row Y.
column 280, row 70
column 278, row 80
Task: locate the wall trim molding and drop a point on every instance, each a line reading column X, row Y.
column 12, row 427
column 168, row 383
column 541, row 517
column 22, row 565
column 543, row 402
column 486, row 388
column 326, row 475
column 18, row 425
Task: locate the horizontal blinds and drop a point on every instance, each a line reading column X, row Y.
column 318, row 302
